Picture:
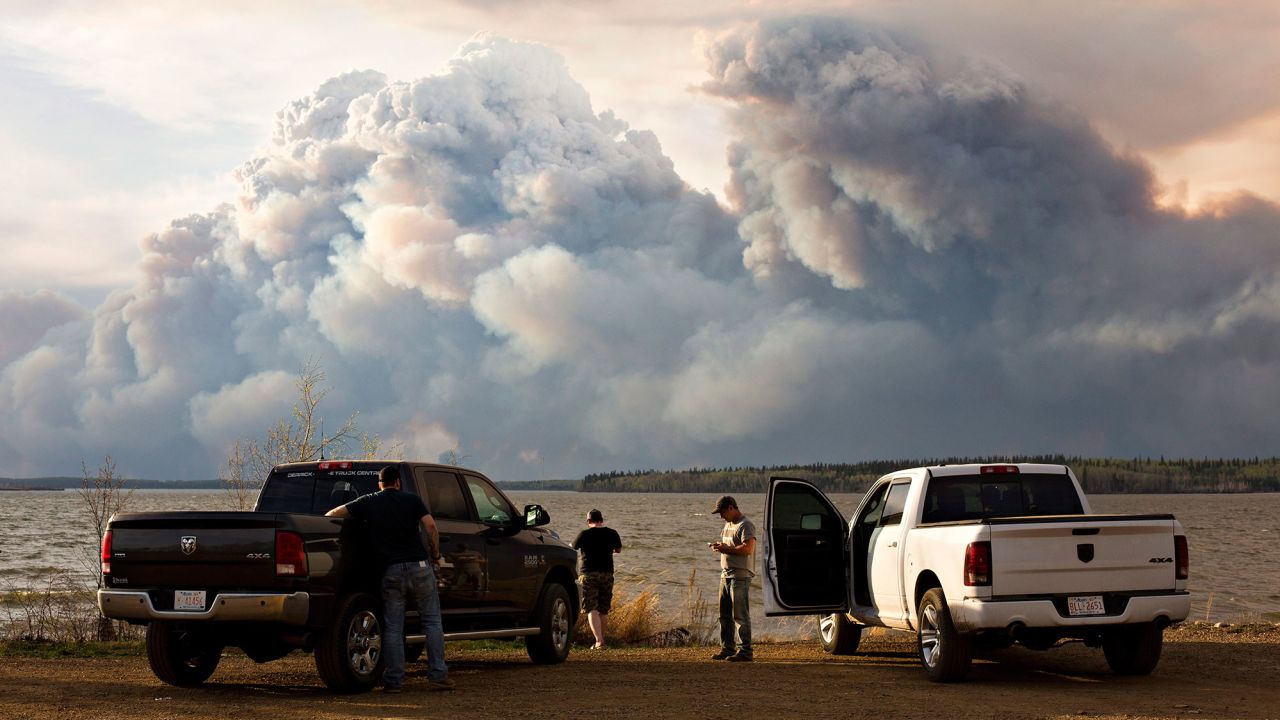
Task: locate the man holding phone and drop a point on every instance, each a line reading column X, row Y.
column 737, row 548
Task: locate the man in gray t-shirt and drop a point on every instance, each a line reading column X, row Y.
column 737, row 549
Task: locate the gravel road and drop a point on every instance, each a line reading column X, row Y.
column 1205, row 672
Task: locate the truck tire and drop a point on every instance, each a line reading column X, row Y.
column 945, row 653
column 551, row 645
column 180, row 654
column 838, row 635
column 1133, row 649
column 349, row 651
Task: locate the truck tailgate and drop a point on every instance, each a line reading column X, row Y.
column 1081, row 554
column 206, row 550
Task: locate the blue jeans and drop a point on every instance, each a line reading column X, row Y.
column 419, row 579
column 735, row 610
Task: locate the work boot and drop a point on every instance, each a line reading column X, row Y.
column 724, row 654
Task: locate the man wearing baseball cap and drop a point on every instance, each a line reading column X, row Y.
column 737, row 548
column 598, row 544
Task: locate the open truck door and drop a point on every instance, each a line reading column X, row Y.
column 804, row 551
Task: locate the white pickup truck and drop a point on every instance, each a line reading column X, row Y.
column 976, row 556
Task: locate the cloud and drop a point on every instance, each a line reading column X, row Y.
column 25, row 319
column 922, row 256
column 954, row 195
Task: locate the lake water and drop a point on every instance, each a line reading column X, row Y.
column 1234, row 540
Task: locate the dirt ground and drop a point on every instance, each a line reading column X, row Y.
column 1205, row 672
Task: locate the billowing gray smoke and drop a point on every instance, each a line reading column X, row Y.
column 922, row 257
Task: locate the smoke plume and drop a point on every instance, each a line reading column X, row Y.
column 921, row 256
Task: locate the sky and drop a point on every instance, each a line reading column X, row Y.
column 563, row 237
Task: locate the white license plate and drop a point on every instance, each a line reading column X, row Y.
column 188, row 600
column 1085, row 605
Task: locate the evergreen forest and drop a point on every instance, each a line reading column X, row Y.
column 1098, row 475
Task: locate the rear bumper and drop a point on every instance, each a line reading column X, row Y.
column 287, row 608
column 974, row 614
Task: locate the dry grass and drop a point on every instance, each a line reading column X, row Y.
column 61, row 610
column 634, row 619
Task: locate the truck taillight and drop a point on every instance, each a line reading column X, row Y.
column 106, row 553
column 977, row 564
column 334, row 466
column 1181, row 557
column 291, row 559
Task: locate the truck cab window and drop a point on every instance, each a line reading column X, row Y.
column 443, row 494
column 970, row 497
column 287, row 492
column 491, row 506
column 894, row 504
column 870, row 514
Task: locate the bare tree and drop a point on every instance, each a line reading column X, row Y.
column 238, row 478
column 371, row 448
column 103, row 495
column 299, row 437
column 455, row 457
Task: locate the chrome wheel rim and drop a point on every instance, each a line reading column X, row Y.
column 929, row 642
column 827, row 628
column 364, row 643
column 560, row 624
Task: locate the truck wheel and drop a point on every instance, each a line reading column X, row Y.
column 1133, row 649
column 349, row 652
column 551, row 645
column 944, row 652
column 181, row 655
column 839, row 636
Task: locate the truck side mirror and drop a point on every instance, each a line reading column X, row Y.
column 534, row 516
column 812, row 521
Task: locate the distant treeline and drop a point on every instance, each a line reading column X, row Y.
column 1098, row 475
column 533, row 485
column 66, row 483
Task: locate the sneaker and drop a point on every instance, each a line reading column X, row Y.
column 722, row 655
column 445, row 684
column 598, row 646
column 739, row 657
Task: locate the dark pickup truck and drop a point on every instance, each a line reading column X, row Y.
column 284, row 577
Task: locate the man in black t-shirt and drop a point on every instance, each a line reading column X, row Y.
column 598, row 544
column 393, row 519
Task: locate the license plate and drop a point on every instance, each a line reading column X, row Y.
column 1085, row 605
column 188, row 600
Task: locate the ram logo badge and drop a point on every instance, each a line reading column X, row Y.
column 188, row 544
column 1084, row 551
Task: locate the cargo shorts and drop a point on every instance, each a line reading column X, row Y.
column 597, row 591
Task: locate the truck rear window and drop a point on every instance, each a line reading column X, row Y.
column 970, row 497
column 314, row 493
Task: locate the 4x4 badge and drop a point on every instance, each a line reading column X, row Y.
column 188, row 544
